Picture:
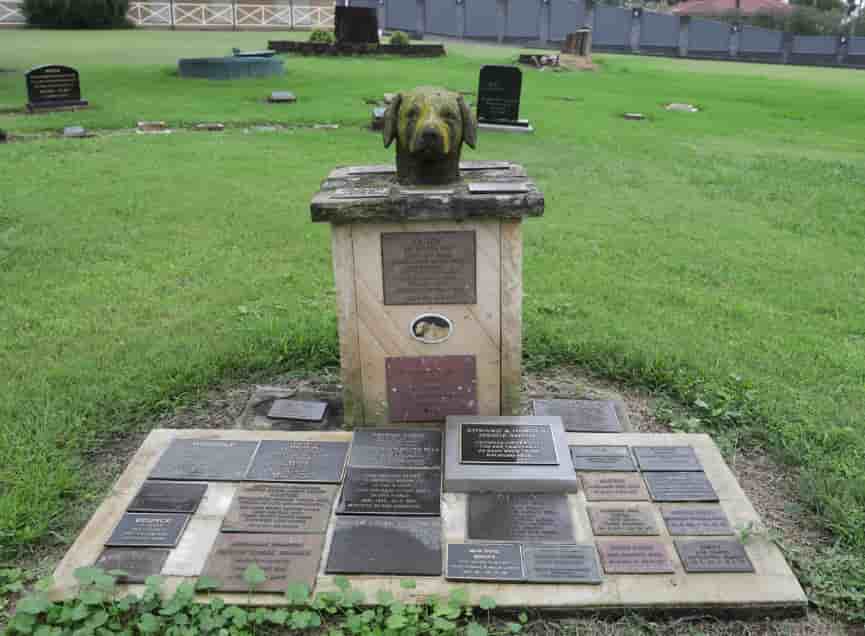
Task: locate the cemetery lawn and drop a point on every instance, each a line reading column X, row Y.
column 716, row 258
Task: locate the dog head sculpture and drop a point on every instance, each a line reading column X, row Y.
column 429, row 125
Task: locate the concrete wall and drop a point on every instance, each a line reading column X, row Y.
column 402, row 15
column 441, row 17
column 659, row 31
column 481, row 19
column 565, row 17
column 757, row 40
column 612, row 28
column 708, row 36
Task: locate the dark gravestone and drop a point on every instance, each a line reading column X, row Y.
column 484, row 562
column 386, row 545
column 158, row 496
column 614, row 487
column 713, row 555
column 622, row 520
column 392, row 448
column 148, row 530
column 280, row 508
column 429, row 388
column 356, row 25
column 667, row 458
column 53, row 87
column 499, row 95
column 536, row 518
column 696, row 520
column 608, row 458
column 285, row 559
column 632, row 557
column 138, row 563
column 391, row 491
column 582, row 416
column 204, row 460
column 507, row 444
column 299, row 460
column 561, row 564
column 304, row 410
column 690, row 486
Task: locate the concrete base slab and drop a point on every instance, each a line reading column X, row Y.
column 528, row 128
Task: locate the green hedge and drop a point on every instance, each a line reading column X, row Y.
column 77, row 14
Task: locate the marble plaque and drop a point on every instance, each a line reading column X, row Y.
column 622, row 520
column 148, row 530
column 608, row 458
column 614, row 487
column 396, row 448
column 484, row 562
column 138, row 563
column 498, row 187
column 507, row 444
column 407, row 546
column 713, row 555
column 280, row 508
column 299, row 460
column 632, row 557
column 305, row 410
column 582, row 416
column 520, row 517
column 204, row 460
column 667, row 458
column 391, row 491
column 161, row 496
column 429, row 388
column 285, row 559
column 561, row 564
column 689, row 486
column 696, row 520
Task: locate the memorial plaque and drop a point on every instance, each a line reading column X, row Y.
column 499, row 94
column 667, row 458
column 713, row 555
column 429, row 388
column 386, row 545
column 285, row 559
column 632, row 557
column 614, row 487
column 693, row 520
column 280, row 508
column 360, row 193
column 520, row 517
column 690, row 486
column 298, row 460
column 561, row 564
column 382, row 168
column 498, row 187
column 305, row 410
column 204, row 460
column 429, row 268
column 484, row 562
column 484, row 165
column 622, row 520
column 138, row 563
column 391, row 491
column 160, row 496
column 605, row 458
column 148, row 530
column 53, row 86
column 396, row 448
column 507, row 444
column 582, row 416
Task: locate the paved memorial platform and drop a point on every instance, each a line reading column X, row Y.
column 212, row 502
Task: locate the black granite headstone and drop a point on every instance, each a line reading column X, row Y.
column 499, row 95
column 561, row 564
column 53, row 86
column 391, row 491
column 484, row 562
column 537, row 518
column 356, row 25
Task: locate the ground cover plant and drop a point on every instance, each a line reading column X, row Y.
column 713, row 257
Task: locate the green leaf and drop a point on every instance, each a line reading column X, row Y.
column 44, row 584
column 154, row 582
column 341, row 582
column 35, row 604
column 297, row 593
column 278, row 617
column 408, row 584
column 475, row 629
column 149, row 624
column 206, row 583
column 86, row 576
column 515, row 628
column 523, row 618
column 384, row 597
column 254, row 575
column 91, row 597
column 396, row 621
column 487, row 603
column 459, row 596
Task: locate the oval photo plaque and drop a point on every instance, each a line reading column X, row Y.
column 431, row 328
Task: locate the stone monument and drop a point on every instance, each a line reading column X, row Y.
column 499, row 95
column 53, row 87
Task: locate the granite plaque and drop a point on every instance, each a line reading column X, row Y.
column 713, row 555
column 298, row 460
column 499, row 94
column 520, row 517
column 614, row 487
column 693, row 520
column 498, row 187
column 429, row 268
column 160, row 496
column 53, row 86
column 690, row 486
column 632, row 557
column 561, row 564
column 622, row 520
column 391, row 491
column 605, row 458
column 507, row 444
column 484, row 165
column 285, row 559
column 582, row 416
column 396, row 448
column 138, row 563
column 148, row 530
column 382, row 168
column 305, row 410
column 204, row 460
column 484, row 562
column 409, row 546
column 280, row 508
column 429, row 388
column 667, row 458
column 360, row 193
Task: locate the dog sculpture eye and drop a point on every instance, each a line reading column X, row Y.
column 413, row 112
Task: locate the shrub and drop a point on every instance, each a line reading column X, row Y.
column 323, row 37
column 77, row 14
column 399, row 39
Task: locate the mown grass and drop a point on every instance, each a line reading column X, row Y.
column 716, row 257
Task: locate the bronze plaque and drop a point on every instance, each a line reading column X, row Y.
column 622, row 520
column 537, row 518
column 429, row 268
column 429, row 388
column 713, row 555
column 632, row 557
column 280, row 508
column 680, row 486
column 561, row 564
column 614, row 487
column 696, row 520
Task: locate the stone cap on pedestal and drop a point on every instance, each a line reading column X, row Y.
column 486, row 189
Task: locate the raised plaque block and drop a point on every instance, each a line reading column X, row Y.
column 138, row 563
column 561, row 564
column 582, row 416
column 614, row 487
column 160, row 496
column 148, row 530
column 304, row 410
column 484, row 562
column 360, row 193
column 491, row 443
column 689, row 486
column 429, row 388
column 298, row 460
column 713, row 555
column 632, row 557
column 391, row 491
column 280, row 508
column 204, row 460
column 396, row 448
column 604, row 458
column 696, row 520
column 537, row 518
column 497, row 187
column 622, row 520
column 667, row 458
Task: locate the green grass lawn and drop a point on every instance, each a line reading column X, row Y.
column 679, row 253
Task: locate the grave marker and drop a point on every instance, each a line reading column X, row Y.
column 561, row 564
column 391, row 491
column 687, row 486
column 386, row 545
column 614, row 487
column 298, row 460
column 204, row 460
column 430, row 388
column 622, row 520
column 667, row 458
column 693, row 520
column 138, row 563
column 148, row 530
column 53, row 87
column 492, row 443
column 305, row 410
column 499, row 96
column 280, row 508
column 632, row 557
column 604, row 458
column 713, row 555
column 396, row 448
column 582, row 416
column 536, row 518
column 156, row 496
column 484, row 562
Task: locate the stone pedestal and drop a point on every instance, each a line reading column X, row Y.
column 429, row 291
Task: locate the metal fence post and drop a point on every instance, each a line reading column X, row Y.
column 234, row 15
column 636, row 27
column 171, row 17
column 544, row 18
column 461, row 19
column 684, row 35
column 733, row 48
column 501, row 20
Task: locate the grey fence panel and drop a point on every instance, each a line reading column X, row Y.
column 856, row 46
column 612, row 27
column 815, row 44
column 402, row 15
column 523, row 19
column 441, row 17
column 708, row 36
column 566, row 16
column 481, row 18
column 659, row 30
column 757, row 40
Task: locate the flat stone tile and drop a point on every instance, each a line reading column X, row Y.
column 614, row 487
column 520, row 517
column 582, row 416
column 623, row 520
column 696, row 520
column 305, row 410
column 160, row 496
column 561, row 564
column 299, row 460
column 484, row 562
column 687, row 486
column 667, row 458
column 635, row 557
column 205, row 460
column 391, row 491
column 280, row 508
column 190, row 555
column 216, row 500
column 396, row 448
column 138, row 563
column 602, row 458
column 148, row 530
column 713, row 555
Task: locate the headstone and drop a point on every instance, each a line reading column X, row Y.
column 396, row 448
column 204, row 460
column 484, row 562
column 582, row 416
column 633, row 557
column 681, row 486
column 304, row 410
column 622, row 520
column 148, row 530
column 713, row 555
column 667, row 458
column 160, row 496
column 696, row 520
column 561, row 564
column 391, row 491
column 605, row 458
column 356, row 25
column 492, row 443
column 499, row 95
column 520, row 517
column 614, row 487
column 298, row 460
column 386, row 545
column 430, row 388
column 280, row 508
column 138, row 563
column 282, row 97
column 53, row 87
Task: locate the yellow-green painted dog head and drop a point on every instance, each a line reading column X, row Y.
column 429, row 125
